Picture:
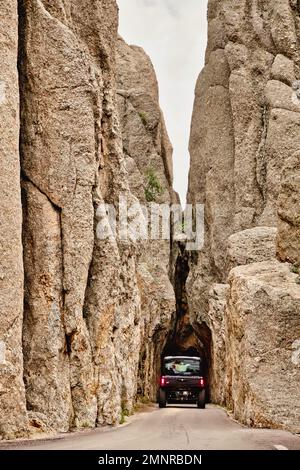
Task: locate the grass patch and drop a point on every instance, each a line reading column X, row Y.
column 85, row 424
column 144, row 400
column 141, row 403
column 124, row 414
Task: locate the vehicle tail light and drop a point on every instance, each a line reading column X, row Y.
column 162, row 381
column 201, row 382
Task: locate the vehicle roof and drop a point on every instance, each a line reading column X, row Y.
column 182, row 357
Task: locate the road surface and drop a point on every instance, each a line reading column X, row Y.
column 173, row 428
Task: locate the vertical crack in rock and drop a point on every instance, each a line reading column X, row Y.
column 46, row 360
column 13, row 417
column 261, row 164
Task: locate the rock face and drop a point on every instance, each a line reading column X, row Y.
column 13, row 420
column 216, row 320
column 262, row 333
column 148, row 159
column 67, row 104
column 288, row 241
column 251, row 246
column 146, row 144
column 96, row 311
column 244, row 165
column 47, row 370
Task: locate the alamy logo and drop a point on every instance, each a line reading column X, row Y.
column 296, row 352
column 296, row 92
column 2, row 352
column 134, row 222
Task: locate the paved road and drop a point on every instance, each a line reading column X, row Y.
column 176, row 427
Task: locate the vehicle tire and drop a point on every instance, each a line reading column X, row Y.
column 201, row 399
column 162, row 399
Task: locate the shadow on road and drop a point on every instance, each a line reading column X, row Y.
column 185, row 406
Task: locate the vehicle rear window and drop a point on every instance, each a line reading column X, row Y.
column 182, row 367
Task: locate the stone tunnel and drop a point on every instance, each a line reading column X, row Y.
column 185, row 338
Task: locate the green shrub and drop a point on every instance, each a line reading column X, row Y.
column 85, row 424
column 124, row 414
column 144, row 400
column 143, row 117
column 153, row 188
column 298, row 280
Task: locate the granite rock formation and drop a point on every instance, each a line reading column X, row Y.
column 244, row 150
column 261, row 324
column 288, row 241
column 96, row 311
column 84, row 318
column 147, row 154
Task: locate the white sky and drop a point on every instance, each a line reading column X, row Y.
column 174, row 34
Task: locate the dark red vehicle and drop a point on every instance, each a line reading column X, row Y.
column 181, row 381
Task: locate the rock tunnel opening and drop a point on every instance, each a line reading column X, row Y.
column 185, row 337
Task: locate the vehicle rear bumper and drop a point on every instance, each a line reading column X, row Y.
column 180, row 394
